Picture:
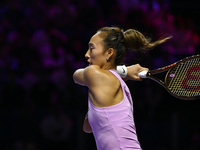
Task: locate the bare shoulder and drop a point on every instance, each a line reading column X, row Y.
column 92, row 70
column 94, row 75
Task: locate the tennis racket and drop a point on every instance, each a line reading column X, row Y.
column 182, row 79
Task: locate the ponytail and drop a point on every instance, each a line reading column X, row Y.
column 135, row 41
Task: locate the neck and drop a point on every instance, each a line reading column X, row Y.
column 108, row 66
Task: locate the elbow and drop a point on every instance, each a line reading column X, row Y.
column 78, row 77
column 87, row 130
column 74, row 77
column 86, row 126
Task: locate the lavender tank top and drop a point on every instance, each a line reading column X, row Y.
column 113, row 127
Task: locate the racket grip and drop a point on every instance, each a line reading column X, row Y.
column 143, row 74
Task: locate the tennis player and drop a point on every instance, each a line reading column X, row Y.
column 110, row 106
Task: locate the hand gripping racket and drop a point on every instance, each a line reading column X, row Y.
column 182, row 79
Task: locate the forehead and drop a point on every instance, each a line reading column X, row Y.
column 96, row 39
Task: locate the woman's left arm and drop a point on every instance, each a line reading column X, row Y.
column 88, row 76
column 78, row 77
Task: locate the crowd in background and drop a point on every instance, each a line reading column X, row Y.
column 42, row 42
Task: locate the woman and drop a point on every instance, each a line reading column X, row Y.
column 110, row 106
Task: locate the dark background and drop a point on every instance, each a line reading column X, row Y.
column 42, row 42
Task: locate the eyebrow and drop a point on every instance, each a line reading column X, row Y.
column 91, row 44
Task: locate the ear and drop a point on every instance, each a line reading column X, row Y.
column 110, row 52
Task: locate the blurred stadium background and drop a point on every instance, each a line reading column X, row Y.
column 42, row 42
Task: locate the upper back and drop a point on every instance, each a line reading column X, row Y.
column 105, row 88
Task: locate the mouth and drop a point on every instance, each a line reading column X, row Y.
column 89, row 63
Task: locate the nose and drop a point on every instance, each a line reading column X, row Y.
column 87, row 55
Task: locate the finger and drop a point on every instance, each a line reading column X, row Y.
column 137, row 78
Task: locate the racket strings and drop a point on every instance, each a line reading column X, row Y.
column 184, row 79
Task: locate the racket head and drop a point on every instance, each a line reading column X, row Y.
column 183, row 79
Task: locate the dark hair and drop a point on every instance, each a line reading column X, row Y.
column 116, row 38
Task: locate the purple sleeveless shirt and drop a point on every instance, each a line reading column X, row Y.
column 113, row 127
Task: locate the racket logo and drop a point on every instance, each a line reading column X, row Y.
column 192, row 82
column 172, row 75
column 123, row 70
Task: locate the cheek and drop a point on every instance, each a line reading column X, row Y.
column 96, row 59
column 94, row 56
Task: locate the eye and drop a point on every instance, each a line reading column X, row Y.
column 91, row 46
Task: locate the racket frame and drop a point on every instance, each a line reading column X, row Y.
column 169, row 68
